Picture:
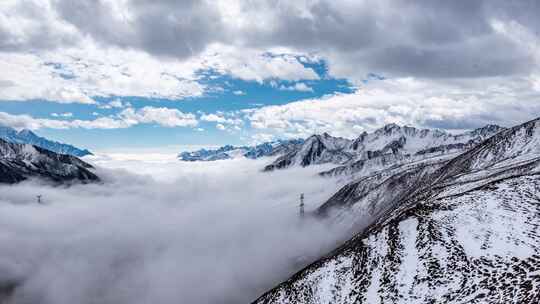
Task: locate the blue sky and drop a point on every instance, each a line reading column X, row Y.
column 225, row 94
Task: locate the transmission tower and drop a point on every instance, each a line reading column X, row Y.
column 302, row 204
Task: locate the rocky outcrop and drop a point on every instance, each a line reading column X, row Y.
column 19, row 162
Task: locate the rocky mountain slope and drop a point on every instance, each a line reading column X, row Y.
column 316, row 149
column 463, row 229
column 391, row 143
column 28, row 137
column 19, row 162
column 253, row 152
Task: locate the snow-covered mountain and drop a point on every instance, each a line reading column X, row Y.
column 28, row 137
column 316, row 149
column 227, row 152
column 461, row 229
column 391, row 142
column 409, row 140
column 22, row 161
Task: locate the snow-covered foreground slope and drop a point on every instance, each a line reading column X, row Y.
column 478, row 246
column 456, row 231
column 19, row 162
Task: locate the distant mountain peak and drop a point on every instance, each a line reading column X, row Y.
column 229, row 151
column 487, row 129
column 391, row 126
column 26, row 132
column 26, row 136
column 19, row 162
column 387, row 129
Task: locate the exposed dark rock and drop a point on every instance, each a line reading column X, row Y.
column 22, row 161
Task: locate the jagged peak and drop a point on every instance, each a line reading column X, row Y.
column 391, row 126
column 314, row 137
column 324, row 136
column 26, row 132
column 489, row 128
column 29, row 137
column 318, row 139
column 387, row 128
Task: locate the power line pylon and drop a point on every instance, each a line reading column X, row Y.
column 302, row 205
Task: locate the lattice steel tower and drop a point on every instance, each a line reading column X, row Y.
column 302, row 204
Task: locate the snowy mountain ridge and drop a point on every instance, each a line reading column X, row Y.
column 402, row 142
column 448, row 229
column 19, row 162
column 229, row 151
column 26, row 136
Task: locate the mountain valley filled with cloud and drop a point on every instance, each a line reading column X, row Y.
column 269, row 152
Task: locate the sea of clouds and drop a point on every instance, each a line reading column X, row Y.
column 161, row 231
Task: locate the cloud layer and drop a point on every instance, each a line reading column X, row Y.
column 431, row 38
column 219, row 232
column 128, row 117
column 406, row 101
column 116, row 51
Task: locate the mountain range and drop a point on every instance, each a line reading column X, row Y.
column 26, row 136
column 453, row 221
column 391, row 141
column 389, row 144
column 19, row 162
column 228, row 152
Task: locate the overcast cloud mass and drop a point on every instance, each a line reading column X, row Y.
column 414, row 38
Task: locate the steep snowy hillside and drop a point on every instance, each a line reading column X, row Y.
column 22, row 161
column 390, row 144
column 28, row 137
column 464, row 230
column 253, row 152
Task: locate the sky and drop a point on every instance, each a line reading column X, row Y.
column 172, row 75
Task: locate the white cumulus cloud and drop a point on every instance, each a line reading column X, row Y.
column 66, row 114
column 405, row 101
column 127, row 118
column 163, row 116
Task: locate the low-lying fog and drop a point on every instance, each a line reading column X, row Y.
column 161, row 232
